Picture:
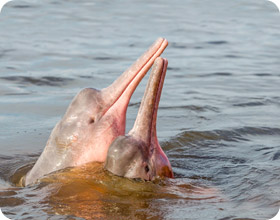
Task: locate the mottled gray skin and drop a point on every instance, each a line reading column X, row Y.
column 92, row 121
column 138, row 154
column 129, row 158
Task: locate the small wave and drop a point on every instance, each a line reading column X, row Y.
column 173, row 69
column 248, row 104
column 195, row 108
column 177, row 45
column 263, row 74
column 276, row 156
column 232, row 56
column 104, row 58
column 184, row 46
column 38, row 81
column 218, row 42
column 136, row 104
column 238, row 134
column 12, row 169
column 22, row 6
column 5, row 52
column 221, row 74
column 4, row 184
column 10, row 201
column 216, row 74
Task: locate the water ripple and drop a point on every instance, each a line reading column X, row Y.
column 38, row 81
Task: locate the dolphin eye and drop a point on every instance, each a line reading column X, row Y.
column 91, row 121
column 147, row 169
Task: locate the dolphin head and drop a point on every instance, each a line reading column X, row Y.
column 138, row 154
column 93, row 120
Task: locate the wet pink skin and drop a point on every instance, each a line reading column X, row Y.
column 138, row 154
column 93, row 120
column 144, row 128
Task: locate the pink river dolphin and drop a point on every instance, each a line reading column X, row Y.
column 95, row 118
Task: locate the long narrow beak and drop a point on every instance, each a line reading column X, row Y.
column 145, row 125
column 123, row 87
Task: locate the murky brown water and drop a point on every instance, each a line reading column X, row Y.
column 219, row 116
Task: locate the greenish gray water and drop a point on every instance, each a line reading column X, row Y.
column 219, row 115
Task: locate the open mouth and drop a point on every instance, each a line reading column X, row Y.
column 145, row 124
column 122, row 88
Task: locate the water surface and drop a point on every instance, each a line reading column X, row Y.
column 219, row 115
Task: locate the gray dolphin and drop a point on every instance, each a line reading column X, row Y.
column 92, row 121
column 138, row 154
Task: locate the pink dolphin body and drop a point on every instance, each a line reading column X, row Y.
column 92, row 121
column 138, row 155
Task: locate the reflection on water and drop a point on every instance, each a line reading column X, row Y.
column 218, row 120
column 90, row 192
